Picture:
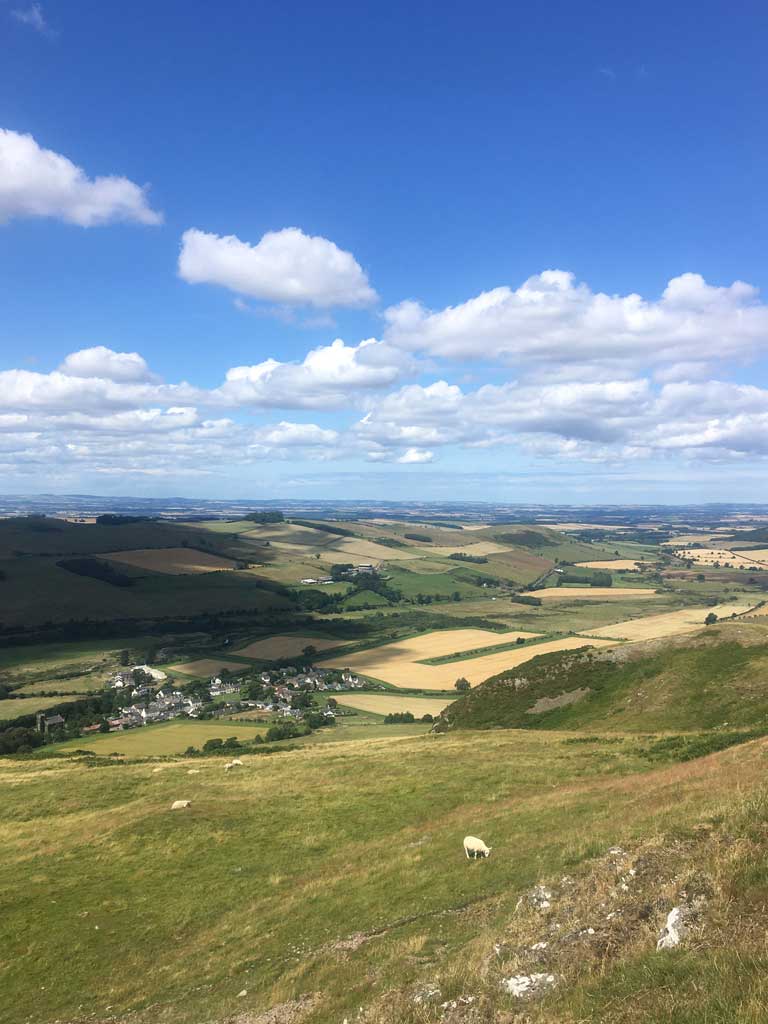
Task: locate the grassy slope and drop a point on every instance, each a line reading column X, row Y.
column 716, row 678
column 251, row 889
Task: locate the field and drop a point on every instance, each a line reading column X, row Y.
column 568, row 593
column 726, row 556
column 164, row 738
column 173, row 561
column 615, row 564
column 204, row 667
column 14, row 708
column 383, row 704
column 274, row 648
column 669, row 624
column 398, row 663
column 369, row 899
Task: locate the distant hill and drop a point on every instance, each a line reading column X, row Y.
column 715, row 678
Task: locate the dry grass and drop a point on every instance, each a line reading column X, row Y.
column 669, row 624
column 397, row 663
column 592, row 593
column 353, row 547
column 285, row 645
column 383, row 704
column 172, row 561
column 206, row 667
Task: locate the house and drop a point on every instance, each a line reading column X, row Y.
column 120, row 679
column 46, row 721
column 308, row 581
column 220, row 686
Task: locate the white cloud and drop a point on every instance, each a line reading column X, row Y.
column 329, row 377
column 289, row 435
column 552, row 319
column 284, row 266
column 415, row 455
column 36, row 182
column 33, row 17
column 100, row 361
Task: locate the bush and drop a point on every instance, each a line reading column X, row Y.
column 399, row 717
column 96, row 570
column 423, row 538
column 462, row 685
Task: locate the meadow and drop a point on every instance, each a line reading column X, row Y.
column 174, row 561
column 365, row 900
column 164, row 738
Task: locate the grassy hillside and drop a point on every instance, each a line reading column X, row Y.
column 289, row 883
column 715, row 679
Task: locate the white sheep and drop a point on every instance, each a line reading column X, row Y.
column 231, row 764
column 180, row 805
column 236, row 762
column 193, row 771
column 474, row 847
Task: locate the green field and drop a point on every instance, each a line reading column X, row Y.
column 15, row 708
column 164, row 738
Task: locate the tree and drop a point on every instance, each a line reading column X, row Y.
column 125, row 658
column 103, row 725
column 332, row 703
column 462, row 684
column 309, row 651
column 213, row 744
column 710, row 619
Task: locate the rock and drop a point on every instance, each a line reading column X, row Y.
column 527, row 986
column 426, row 994
column 243, row 993
column 674, row 931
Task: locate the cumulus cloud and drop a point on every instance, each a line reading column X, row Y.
column 328, row 377
column 415, row 455
column 36, row 182
column 284, row 266
column 553, row 319
column 100, row 361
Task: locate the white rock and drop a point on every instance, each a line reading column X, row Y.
column 525, row 986
column 243, row 993
column 674, row 931
column 539, row 945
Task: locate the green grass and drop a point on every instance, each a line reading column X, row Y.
column 164, row 738
column 15, row 708
column 252, row 887
column 705, row 682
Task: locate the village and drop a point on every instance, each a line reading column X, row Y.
column 151, row 697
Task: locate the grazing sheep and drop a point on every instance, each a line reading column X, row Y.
column 474, row 847
column 193, row 771
column 180, row 805
column 236, row 761
column 230, row 765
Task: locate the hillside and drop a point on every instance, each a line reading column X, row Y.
column 292, row 886
column 710, row 680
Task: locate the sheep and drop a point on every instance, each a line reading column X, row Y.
column 474, row 847
column 193, row 771
column 231, row 764
column 180, row 805
column 236, row 762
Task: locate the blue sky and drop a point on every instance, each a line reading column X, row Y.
column 546, row 224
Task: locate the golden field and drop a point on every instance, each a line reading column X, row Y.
column 173, row 561
column 735, row 559
column 615, row 564
column 669, row 624
column 383, row 704
column 398, row 663
column 591, row 593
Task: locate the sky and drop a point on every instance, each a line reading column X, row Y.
column 389, row 250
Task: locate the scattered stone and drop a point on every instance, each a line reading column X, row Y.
column 539, row 945
column 528, row 986
column 674, row 931
column 426, row 994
